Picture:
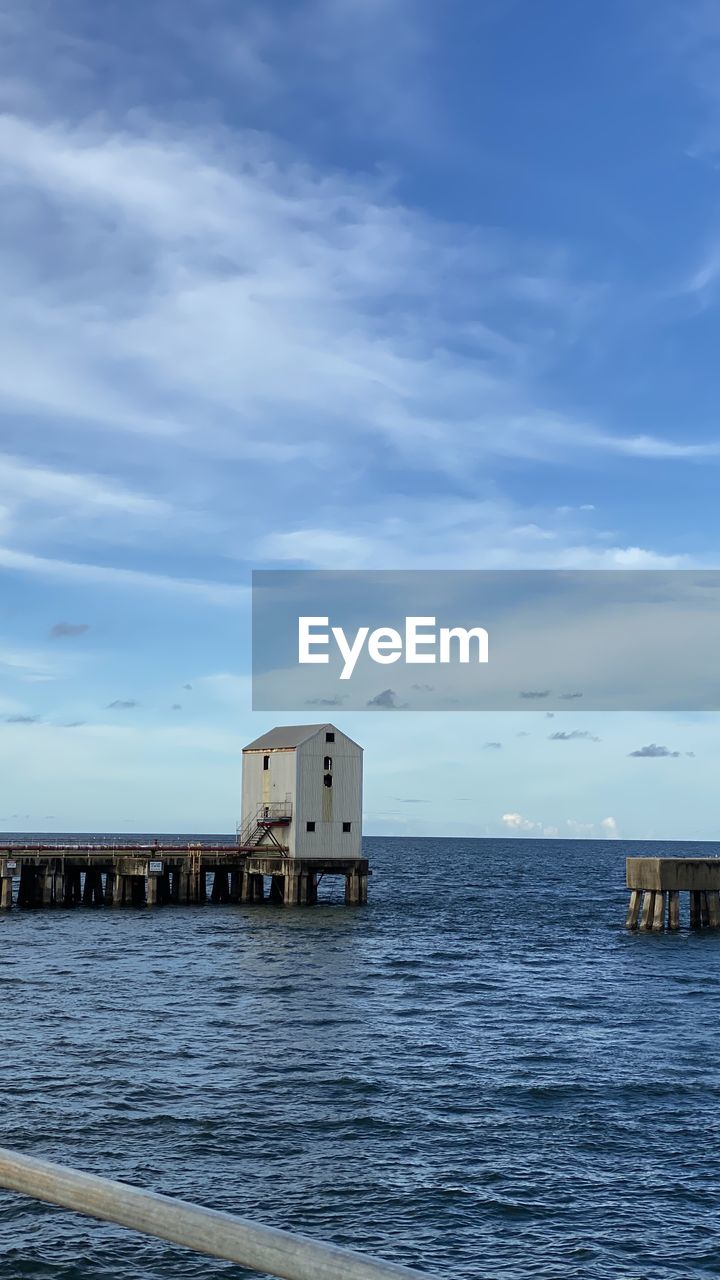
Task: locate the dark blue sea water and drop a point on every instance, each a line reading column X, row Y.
column 479, row 1074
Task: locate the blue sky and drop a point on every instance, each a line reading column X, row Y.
column 344, row 283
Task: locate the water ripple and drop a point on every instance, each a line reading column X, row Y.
column 481, row 1074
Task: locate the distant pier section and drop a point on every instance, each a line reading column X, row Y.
column 656, row 885
column 95, row 875
column 301, row 821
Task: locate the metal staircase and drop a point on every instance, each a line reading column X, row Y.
column 258, row 831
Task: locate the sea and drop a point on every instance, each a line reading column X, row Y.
column 480, row 1074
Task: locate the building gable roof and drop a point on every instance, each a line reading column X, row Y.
column 286, row 735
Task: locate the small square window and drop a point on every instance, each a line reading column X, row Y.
column 347, row 826
column 266, row 762
column 329, row 737
column 309, row 826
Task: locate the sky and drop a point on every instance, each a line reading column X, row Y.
column 345, row 284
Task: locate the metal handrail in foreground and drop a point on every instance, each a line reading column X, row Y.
column 222, row 1235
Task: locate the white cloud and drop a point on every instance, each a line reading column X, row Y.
column 27, row 664
column 283, row 327
column 271, row 290
column 516, row 822
column 433, row 533
column 324, row 547
column 21, row 480
column 568, row 828
column 118, row 578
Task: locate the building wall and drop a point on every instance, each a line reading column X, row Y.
column 299, row 773
column 269, row 786
column 328, row 807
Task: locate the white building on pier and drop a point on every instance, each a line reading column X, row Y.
column 302, row 794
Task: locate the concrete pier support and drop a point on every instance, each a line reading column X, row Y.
column 354, row 888
column 48, row 886
column 257, row 888
column 291, row 896
column 253, row 888
column 633, row 912
column 197, row 888
column 655, row 886
column 59, row 887
column 131, row 874
column 299, row 878
column 6, row 893
column 648, row 910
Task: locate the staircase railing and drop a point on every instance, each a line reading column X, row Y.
column 273, row 811
column 221, row 1235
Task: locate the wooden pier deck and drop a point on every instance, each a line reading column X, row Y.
column 129, row 874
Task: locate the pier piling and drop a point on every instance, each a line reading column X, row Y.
column 656, row 884
column 65, row 875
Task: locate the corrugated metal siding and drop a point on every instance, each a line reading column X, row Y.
column 299, row 773
column 264, row 786
column 327, row 807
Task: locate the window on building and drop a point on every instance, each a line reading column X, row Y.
column 328, row 779
column 328, row 762
column 347, row 826
column 309, row 826
column 329, row 737
column 266, row 762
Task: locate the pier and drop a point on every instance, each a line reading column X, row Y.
column 301, row 821
column 656, row 884
column 154, row 875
